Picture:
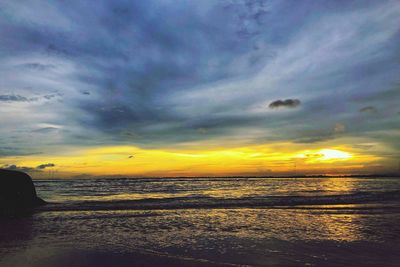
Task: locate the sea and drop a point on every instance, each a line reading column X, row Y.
column 329, row 221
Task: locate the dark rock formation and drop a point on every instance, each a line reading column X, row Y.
column 17, row 193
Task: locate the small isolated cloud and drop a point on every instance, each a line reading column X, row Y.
column 13, row 98
column 339, row 128
column 44, row 166
column 288, row 103
column 369, row 109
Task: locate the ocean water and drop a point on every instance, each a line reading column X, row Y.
column 213, row 221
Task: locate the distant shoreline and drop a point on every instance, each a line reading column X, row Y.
column 395, row 175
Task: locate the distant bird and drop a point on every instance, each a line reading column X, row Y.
column 131, row 156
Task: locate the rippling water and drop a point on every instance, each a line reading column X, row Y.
column 254, row 221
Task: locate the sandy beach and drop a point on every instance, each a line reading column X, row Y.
column 208, row 222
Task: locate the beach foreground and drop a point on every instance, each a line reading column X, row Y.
column 177, row 222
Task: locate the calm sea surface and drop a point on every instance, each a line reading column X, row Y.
column 232, row 221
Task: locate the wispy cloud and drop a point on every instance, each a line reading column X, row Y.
column 13, row 98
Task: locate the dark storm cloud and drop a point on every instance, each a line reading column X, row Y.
column 288, row 103
column 134, row 92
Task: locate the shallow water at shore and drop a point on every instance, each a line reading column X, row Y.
column 335, row 221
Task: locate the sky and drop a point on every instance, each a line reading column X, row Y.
column 199, row 88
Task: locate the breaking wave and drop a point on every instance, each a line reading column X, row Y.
column 206, row 202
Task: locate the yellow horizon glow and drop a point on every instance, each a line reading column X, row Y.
column 247, row 160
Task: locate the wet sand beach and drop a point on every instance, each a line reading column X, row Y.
column 293, row 222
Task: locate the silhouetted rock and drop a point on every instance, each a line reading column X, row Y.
column 17, row 193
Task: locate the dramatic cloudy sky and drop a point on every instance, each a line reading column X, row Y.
column 173, row 87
